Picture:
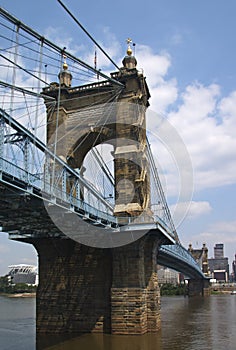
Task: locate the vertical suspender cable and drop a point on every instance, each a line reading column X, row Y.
column 35, row 130
column 14, row 69
column 57, row 123
column 39, row 81
column 13, row 83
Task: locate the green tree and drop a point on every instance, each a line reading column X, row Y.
column 9, row 288
column 4, row 284
column 170, row 289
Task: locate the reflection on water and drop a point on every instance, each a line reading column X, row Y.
column 103, row 342
column 17, row 323
column 199, row 323
column 187, row 324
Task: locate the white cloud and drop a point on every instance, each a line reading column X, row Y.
column 227, row 111
column 155, row 66
column 199, row 208
column 163, row 95
column 227, row 228
column 111, row 46
column 61, row 38
column 228, row 105
column 203, row 120
column 208, row 133
column 191, row 209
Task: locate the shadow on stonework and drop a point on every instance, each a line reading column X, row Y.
column 100, row 342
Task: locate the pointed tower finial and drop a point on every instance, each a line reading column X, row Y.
column 65, row 65
column 65, row 76
column 129, row 50
column 129, row 61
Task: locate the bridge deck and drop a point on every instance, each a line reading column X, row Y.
column 24, row 216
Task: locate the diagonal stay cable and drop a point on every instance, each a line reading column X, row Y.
column 18, row 88
column 25, row 70
column 42, row 147
column 50, row 44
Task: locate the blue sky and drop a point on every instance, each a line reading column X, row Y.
column 187, row 49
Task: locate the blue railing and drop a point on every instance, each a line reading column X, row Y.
column 179, row 252
column 53, row 194
column 37, row 181
column 20, row 174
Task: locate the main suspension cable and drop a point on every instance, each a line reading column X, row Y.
column 56, row 48
column 86, row 32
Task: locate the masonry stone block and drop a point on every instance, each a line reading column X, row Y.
column 84, row 289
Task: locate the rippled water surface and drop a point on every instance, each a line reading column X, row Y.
column 187, row 324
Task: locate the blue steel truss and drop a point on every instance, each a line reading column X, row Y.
column 178, row 258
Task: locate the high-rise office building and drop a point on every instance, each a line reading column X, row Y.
column 219, row 251
column 219, row 265
column 234, row 268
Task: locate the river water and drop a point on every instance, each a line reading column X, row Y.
column 187, row 324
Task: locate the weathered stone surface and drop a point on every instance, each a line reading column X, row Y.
column 198, row 287
column 92, row 114
column 135, row 296
column 84, row 289
column 74, row 289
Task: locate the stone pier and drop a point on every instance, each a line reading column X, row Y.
column 198, row 287
column 135, row 295
column 84, row 289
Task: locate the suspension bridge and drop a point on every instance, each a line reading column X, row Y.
column 78, row 180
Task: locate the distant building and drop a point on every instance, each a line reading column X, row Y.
column 201, row 257
column 166, row 275
column 23, row 274
column 219, row 251
column 219, row 265
column 234, row 268
column 220, row 275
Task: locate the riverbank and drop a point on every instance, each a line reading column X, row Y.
column 226, row 288
column 222, row 292
column 19, row 295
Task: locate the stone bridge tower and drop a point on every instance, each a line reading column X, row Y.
column 201, row 256
column 85, row 289
column 200, row 287
column 104, row 113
